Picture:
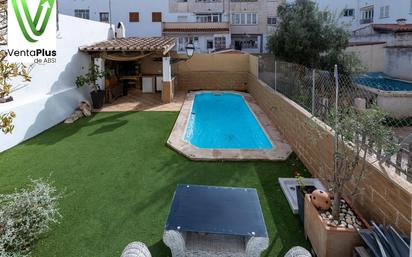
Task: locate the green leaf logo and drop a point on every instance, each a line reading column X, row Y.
column 36, row 26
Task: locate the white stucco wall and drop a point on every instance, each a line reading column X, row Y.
column 52, row 94
column 372, row 57
column 399, row 62
column 120, row 13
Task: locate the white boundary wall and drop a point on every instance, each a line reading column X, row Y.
column 52, row 95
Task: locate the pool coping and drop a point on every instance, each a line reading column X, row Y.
column 280, row 150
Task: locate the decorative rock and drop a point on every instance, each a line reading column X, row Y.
column 350, row 212
column 349, row 221
column 350, row 226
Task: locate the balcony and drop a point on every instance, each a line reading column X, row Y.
column 195, row 27
column 366, row 21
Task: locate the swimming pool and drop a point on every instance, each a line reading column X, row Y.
column 393, row 96
column 223, row 120
column 381, row 81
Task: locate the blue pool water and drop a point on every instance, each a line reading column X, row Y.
column 224, row 121
column 380, row 81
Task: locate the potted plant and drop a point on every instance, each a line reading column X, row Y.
column 332, row 232
column 9, row 71
column 301, row 190
column 90, row 78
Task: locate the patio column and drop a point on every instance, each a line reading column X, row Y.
column 167, row 90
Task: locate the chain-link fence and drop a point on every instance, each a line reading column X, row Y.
column 320, row 91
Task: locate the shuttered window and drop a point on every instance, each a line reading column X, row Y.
column 133, row 16
column 156, row 17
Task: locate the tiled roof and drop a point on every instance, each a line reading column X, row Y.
column 150, row 44
column 195, row 27
column 393, row 27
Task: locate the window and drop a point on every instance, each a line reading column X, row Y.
column 183, row 41
column 384, row 12
column 209, row 44
column 244, row 19
column 156, row 17
column 82, row 13
column 248, row 42
column 209, row 17
column 104, row 17
column 272, row 20
column 134, row 17
column 220, row 42
column 349, row 12
column 367, row 15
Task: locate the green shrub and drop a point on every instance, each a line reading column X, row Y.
column 25, row 215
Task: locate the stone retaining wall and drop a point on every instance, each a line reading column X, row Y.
column 384, row 197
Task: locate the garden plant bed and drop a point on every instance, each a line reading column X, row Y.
column 348, row 217
column 331, row 240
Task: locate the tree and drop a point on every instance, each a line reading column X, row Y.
column 357, row 133
column 310, row 37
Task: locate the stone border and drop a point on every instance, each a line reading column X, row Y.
column 280, row 151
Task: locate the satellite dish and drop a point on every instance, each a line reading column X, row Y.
column 120, row 30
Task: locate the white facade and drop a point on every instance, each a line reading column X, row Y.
column 52, row 94
column 99, row 10
column 355, row 14
column 250, row 21
column 144, row 26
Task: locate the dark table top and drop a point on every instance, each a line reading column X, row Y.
column 216, row 210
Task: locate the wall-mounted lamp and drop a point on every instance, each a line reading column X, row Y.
column 190, row 49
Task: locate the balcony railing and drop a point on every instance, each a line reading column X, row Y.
column 195, row 27
column 366, row 21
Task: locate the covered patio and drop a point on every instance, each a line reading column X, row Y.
column 139, row 73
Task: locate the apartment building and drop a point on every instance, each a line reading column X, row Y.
column 209, row 24
column 141, row 18
column 356, row 14
column 249, row 22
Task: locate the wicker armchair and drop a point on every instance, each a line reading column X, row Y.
column 136, row 249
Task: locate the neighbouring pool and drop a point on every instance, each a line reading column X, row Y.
column 224, row 121
column 381, row 81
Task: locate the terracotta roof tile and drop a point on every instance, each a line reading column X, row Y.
column 151, row 44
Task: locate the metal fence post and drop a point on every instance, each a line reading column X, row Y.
column 313, row 91
column 335, row 145
column 336, row 92
column 276, row 75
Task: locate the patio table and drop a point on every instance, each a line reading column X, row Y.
column 215, row 221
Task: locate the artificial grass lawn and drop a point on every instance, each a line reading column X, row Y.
column 118, row 179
